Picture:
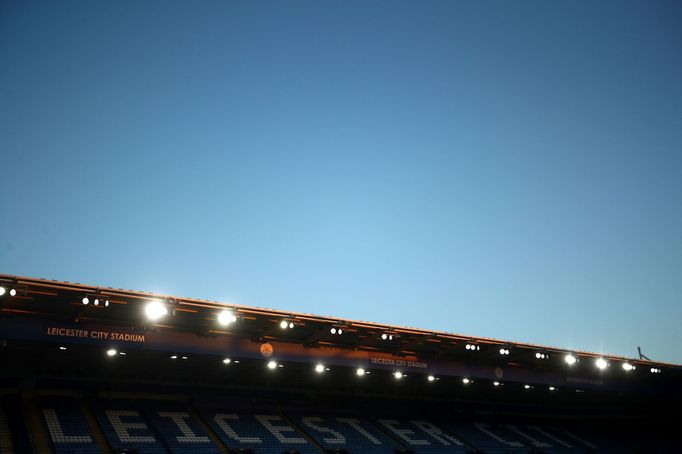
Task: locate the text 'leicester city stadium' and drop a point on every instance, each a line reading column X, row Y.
column 87, row 369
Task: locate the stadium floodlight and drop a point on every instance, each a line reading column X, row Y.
column 184, row 357
column 333, row 330
column 628, row 367
column 174, row 357
column 319, row 368
column 2, row 290
column 570, row 359
column 227, row 361
column 106, row 302
column 360, row 372
column 85, row 301
column 496, row 383
column 62, row 348
column 112, row 352
column 540, row 355
column 431, row 378
column 601, row 363
column 472, row 347
column 466, row 381
column 272, row 365
column 552, row 388
column 526, row 386
column 13, row 292
column 504, row 351
column 226, row 317
column 655, row 370
column 122, row 353
column 96, row 302
column 154, row 310
column 398, row 375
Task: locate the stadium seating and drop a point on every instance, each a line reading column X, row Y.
column 67, row 427
column 353, row 434
column 125, row 427
column 264, row 432
column 422, row 436
column 177, row 428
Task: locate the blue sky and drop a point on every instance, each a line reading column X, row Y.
column 501, row 169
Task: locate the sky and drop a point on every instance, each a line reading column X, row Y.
column 490, row 168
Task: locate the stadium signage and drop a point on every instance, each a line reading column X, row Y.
column 98, row 335
column 398, row 362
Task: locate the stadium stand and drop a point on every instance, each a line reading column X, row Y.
column 82, row 379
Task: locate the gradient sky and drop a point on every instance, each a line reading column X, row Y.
column 492, row 168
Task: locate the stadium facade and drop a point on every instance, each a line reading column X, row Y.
column 94, row 369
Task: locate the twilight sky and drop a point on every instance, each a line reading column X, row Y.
column 492, row 168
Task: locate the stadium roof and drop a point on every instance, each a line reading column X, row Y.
column 64, row 300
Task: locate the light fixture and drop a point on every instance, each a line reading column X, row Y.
column 227, row 361
column 398, row 375
column 272, row 365
column 2, row 291
column 85, row 301
column 387, row 336
column 552, row 388
column 570, row 359
column 226, row 317
column 601, row 363
column 540, row 355
column 655, row 370
column 62, row 348
column 155, row 310
column 96, row 302
column 628, row 367
column 466, row 381
column 184, row 357
column 13, row 292
column 504, row 351
column 111, row 352
column 106, row 302
column 496, row 383
column 526, row 386
column 336, row 330
column 174, row 357
column 122, row 353
column 430, row 378
column 472, row 347
column 319, row 368
column 360, row 371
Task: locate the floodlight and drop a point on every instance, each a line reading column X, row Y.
column 628, row 367
column 384, row 336
column 13, row 292
column 155, row 310
column 333, row 330
column 360, row 371
column 226, row 317
column 570, row 359
column 398, row 375
column 431, row 378
column 272, row 365
column 526, row 386
column 62, row 348
column 552, row 388
column 96, row 302
column 106, row 302
column 2, row 291
column 85, row 300
column 466, row 381
column 601, row 363
column 319, row 368
column 227, row 361
column 111, row 352
column 174, row 357
column 283, row 324
column 291, row 325
column 496, row 383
